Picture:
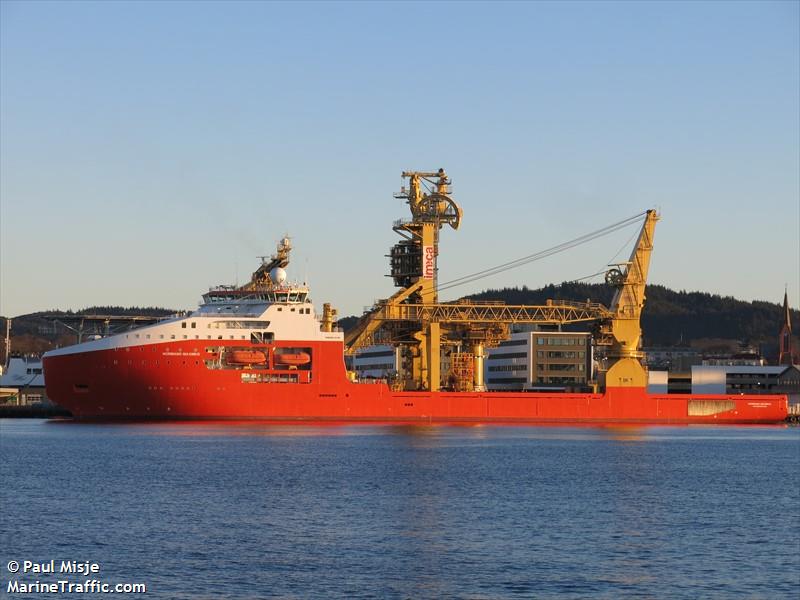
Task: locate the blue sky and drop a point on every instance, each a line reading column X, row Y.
column 150, row 150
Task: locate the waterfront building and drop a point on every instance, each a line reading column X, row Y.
column 744, row 379
column 23, row 381
column 531, row 360
column 377, row 362
column 728, row 379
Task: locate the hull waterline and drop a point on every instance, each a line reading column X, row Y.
column 174, row 381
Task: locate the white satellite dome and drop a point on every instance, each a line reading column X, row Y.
column 277, row 275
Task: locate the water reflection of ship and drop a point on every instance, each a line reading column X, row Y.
column 625, row 433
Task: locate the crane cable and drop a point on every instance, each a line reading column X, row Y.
column 604, row 270
column 541, row 254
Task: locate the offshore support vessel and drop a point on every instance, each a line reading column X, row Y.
column 261, row 351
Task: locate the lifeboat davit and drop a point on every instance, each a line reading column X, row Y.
column 293, row 359
column 246, row 357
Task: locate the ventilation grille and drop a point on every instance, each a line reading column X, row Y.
column 706, row 408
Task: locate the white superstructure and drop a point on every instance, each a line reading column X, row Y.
column 284, row 313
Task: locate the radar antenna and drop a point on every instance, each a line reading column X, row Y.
column 280, row 260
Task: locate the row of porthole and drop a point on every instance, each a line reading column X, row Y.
column 144, row 362
column 154, row 388
column 155, row 362
column 231, row 325
column 186, row 337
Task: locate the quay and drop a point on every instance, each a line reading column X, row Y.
column 32, row 411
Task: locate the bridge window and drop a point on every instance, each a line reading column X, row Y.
column 258, row 337
column 496, row 356
column 239, row 324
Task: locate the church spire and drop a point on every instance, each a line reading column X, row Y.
column 787, row 317
column 786, row 352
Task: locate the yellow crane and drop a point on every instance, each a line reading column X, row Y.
column 624, row 325
column 414, row 319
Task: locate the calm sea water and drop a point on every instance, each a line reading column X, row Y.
column 252, row 510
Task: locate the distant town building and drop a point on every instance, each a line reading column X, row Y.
column 789, row 384
column 741, row 359
column 532, row 360
column 671, row 358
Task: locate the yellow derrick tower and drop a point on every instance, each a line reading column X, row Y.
column 414, row 264
column 413, row 260
column 414, row 319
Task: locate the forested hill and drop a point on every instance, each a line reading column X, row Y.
column 671, row 316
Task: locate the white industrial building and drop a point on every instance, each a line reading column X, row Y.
column 729, row 379
column 735, row 379
column 546, row 360
column 377, row 362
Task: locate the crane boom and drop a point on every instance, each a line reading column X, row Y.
column 626, row 368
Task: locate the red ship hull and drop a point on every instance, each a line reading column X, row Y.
column 174, row 381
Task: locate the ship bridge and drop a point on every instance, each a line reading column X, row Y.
column 228, row 295
column 267, row 287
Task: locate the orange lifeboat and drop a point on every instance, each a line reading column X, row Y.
column 293, row 359
column 246, row 357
